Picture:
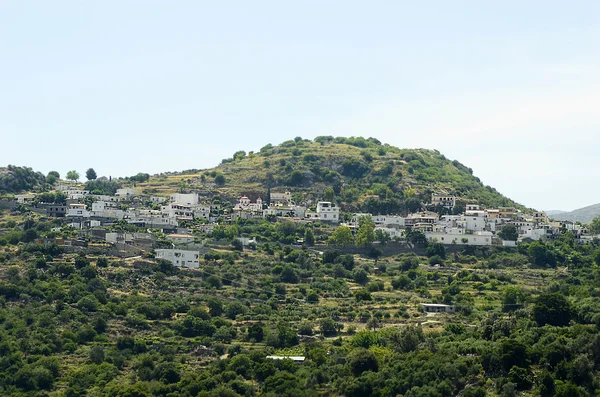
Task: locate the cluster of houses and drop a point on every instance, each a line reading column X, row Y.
column 474, row 226
column 281, row 205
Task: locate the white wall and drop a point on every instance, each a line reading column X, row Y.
column 180, row 258
column 187, row 199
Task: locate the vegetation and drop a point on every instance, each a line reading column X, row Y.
column 92, row 323
column 90, row 174
column 15, row 179
column 90, row 319
column 360, row 175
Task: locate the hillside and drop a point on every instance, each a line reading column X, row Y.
column 583, row 215
column 353, row 167
column 15, row 179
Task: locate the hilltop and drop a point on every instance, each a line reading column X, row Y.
column 356, row 169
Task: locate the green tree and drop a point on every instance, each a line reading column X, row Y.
column 366, row 232
column 309, row 237
column 436, row 249
column 329, row 194
column 329, row 327
column 553, row 309
column 90, row 174
column 512, row 298
column 342, row 236
column 360, row 360
column 382, row 236
column 595, row 225
column 541, row 254
column 219, row 179
column 52, row 177
column 73, row 175
column 96, row 354
column 509, row 232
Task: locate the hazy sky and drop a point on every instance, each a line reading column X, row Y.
column 509, row 88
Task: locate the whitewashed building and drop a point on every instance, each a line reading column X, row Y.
column 443, row 200
column 125, row 193
column 179, row 257
column 185, row 198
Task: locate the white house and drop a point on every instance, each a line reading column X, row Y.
column 295, row 211
column 104, row 209
column 328, row 212
column 157, row 199
column 77, row 210
column 425, row 217
column 104, row 197
column 459, row 237
column 24, row 198
column 201, row 211
column 245, row 204
column 75, row 194
column 437, row 308
column 185, row 199
column 177, row 211
column 391, row 231
column 281, row 198
column 180, row 258
column 475, row 220
column 543, row 233
column 125, row 193
column 443, row 200
column 389, row 221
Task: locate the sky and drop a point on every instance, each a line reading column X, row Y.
column 510, row 89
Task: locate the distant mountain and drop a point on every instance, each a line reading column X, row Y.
column 583, row 215
column 555, row 212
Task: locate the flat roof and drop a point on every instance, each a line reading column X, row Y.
column 293, row 358
column 435, row 305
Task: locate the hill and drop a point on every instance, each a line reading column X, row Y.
column 583, row 215
column 364, row 174
column 15, row 179
column 555, row 212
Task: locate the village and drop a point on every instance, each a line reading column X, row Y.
column 185, row 220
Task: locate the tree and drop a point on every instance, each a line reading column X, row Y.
column 219, row 179
column 73, row 175
column 329, row 327
column 329, row 194
column 512, row 298
column 382, row 236
column 289, row 275
column 256, row 332
column 436, row 249
column 90, row 174
column 553, row 309
column 595, row 225
column 342, row 236
column 309, row 237
column 215, row 306
column 541, row 254
column 53, row 177
column 360, row 275
column 96, row 354
column 509, row 232
column 366, row 232
column 361, row 360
